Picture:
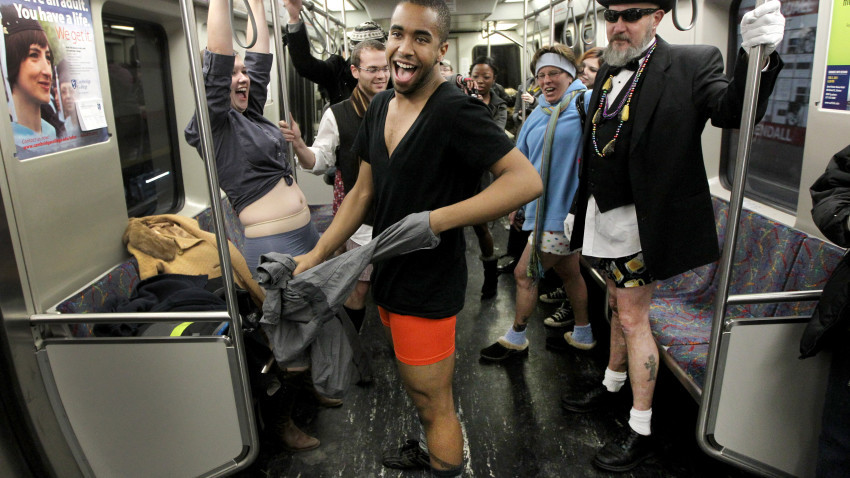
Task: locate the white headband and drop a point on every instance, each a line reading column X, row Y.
column 556, row 60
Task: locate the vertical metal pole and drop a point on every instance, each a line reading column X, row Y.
column 208, row 152
column 488, row 37
column 745, row 137
column 282, row 75
column 327, row 28
column 524, row 60
column 344, row 30
column 551, row 24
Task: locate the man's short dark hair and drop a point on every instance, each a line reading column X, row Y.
column 444, row 17
column 365, row 45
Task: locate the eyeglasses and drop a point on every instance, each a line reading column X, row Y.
column 551, row 74
column 630, row 15
column 374, row 69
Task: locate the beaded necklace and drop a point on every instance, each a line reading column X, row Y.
column 622, row 109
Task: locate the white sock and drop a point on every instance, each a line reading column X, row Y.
column 639, row 420
column 614, row 381
column 423, row 442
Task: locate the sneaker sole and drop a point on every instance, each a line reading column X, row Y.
column 558, row 325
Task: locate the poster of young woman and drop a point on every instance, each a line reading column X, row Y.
column 50, row 73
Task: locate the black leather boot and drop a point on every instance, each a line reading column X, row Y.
column 491, row 278
column 625, row 451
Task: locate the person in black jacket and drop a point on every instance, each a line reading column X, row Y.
column 643, row 208
column 829, row 325
column 333, row 75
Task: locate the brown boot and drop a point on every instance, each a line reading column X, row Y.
column 294, row 439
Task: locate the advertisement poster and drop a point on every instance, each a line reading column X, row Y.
column 50, row 75
column 838, row 58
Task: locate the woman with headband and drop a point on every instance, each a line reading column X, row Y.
column 551, row 139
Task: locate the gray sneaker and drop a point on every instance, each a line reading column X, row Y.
column 554, row 297
column 563, row 317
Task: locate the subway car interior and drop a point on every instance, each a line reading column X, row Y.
column 90, row 391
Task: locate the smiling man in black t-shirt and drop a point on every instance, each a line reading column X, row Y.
column 424, row 147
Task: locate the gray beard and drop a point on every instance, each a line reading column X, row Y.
column 619, row 58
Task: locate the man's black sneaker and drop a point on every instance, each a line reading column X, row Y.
column 408, row 457
column 554, row 297
column 563, row 317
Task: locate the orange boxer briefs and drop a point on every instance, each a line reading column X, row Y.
column 420, row 341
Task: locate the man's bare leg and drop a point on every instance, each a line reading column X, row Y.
column 430, row 388
column 618, row 354
column 632, row 305
column 632, row 445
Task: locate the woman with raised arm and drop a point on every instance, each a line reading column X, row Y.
column 250, row 155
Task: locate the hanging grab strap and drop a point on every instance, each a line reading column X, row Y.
column 251, row 19
column 571, row 19
column 590, row 19
column 693, row 16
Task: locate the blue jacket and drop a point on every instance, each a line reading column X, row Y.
column 564, row 167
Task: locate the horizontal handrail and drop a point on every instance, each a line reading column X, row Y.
column 768, row 297
column 129, row 317
column 497, row 32
column 308, row 5
column 543, row 9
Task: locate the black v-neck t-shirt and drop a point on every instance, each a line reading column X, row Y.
column 438, row 162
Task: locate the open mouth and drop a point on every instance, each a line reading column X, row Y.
column 403, row 72
column 242, row 93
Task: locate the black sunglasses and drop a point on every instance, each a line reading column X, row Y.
column 630, row 15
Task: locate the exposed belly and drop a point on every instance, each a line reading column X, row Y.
column 282, row 209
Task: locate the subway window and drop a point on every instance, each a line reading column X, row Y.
column 776, row 159
column 139, row 80
column 507, row 60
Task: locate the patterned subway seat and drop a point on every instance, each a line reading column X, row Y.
column 118, row 283
column 696, row 281
column 769, row 257
column 812, row 267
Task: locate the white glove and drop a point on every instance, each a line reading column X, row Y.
column 763, row 26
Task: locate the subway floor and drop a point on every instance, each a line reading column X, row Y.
column 510, row 413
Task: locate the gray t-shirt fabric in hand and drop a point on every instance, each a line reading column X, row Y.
column 298, row 311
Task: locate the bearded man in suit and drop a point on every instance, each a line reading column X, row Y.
column 643, row 207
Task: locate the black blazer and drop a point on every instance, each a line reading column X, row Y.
column 683, row 87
